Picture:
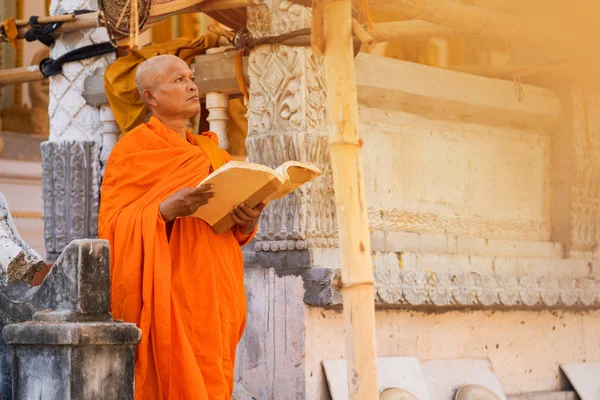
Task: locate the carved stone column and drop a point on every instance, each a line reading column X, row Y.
column 71, row 156
column 217, row 105
column 286, row 121
column 71, row 193
column 286, row 118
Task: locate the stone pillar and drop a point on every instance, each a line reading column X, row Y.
column 287, row 121
column 110, row 134
column 576, row 176
column 72, row 349
column 71, row 163
column 217, row 105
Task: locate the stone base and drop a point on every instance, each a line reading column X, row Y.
column 72, row 361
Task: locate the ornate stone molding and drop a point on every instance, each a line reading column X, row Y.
column 401, row 220
column 287, row 90
column 71, row 193
column 289, row 245
column 275, row 17
column 467, row 290
column 71, row 118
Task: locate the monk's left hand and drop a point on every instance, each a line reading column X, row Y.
column 247, row 218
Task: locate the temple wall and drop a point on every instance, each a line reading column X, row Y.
column 484, row 236
column 444, row 176
column 524, row 347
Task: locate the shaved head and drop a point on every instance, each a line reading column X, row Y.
column 166, row 86
column 149, row 72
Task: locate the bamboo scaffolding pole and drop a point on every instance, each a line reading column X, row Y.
column 20, row 75
column 47, row 20
column 77, row 23
column 317, row 35
column 73, row 23
column 351, row 208
column 362, row 35
column 410, row 30
column 472, row 20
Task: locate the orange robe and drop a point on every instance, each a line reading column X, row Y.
column 185, row 291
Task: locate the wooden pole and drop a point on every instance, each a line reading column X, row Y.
column 317, row 32
column 472, row 20
column 362, row 35
column 20, row 75
column 47, row 20
column 409, row 30
column 351, row 208
column 78, row 23
column 92, row 20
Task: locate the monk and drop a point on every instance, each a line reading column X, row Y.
column 171, row 274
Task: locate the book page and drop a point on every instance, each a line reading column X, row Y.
column 293, row 174
column 234, row 183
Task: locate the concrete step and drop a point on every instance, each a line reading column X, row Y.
column 563, row 395
column 444, row 244
column 515, row 266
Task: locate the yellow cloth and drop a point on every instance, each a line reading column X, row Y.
column 119, row 78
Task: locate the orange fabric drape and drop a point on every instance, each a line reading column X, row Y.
column 119, row 77
column 185, row 292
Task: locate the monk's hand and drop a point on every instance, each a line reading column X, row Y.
column 246, row 218
column 185, row 202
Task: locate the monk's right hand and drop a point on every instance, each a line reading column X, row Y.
column 185, row 202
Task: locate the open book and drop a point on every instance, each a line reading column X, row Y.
column 240, row 182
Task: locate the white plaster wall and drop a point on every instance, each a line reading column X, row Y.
column 487, row 181
column 524, row 347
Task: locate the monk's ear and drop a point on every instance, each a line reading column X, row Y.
column 149, row 99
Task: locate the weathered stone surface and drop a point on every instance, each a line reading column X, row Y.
column 18, row 261
column 71, row 193
column 270, row 356
column 77, row 287
column 318, row 287
column 83, row 371
column 294, row 262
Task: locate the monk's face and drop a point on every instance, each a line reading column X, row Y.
column 175, row 94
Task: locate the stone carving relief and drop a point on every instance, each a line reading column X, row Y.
column 275, row 17
column 287, row 121
column 401, row 220
column 305, row 218
column 71, row 118
column 418, row 288
column 585, row 190
column 287, row 90
column 71, row 193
